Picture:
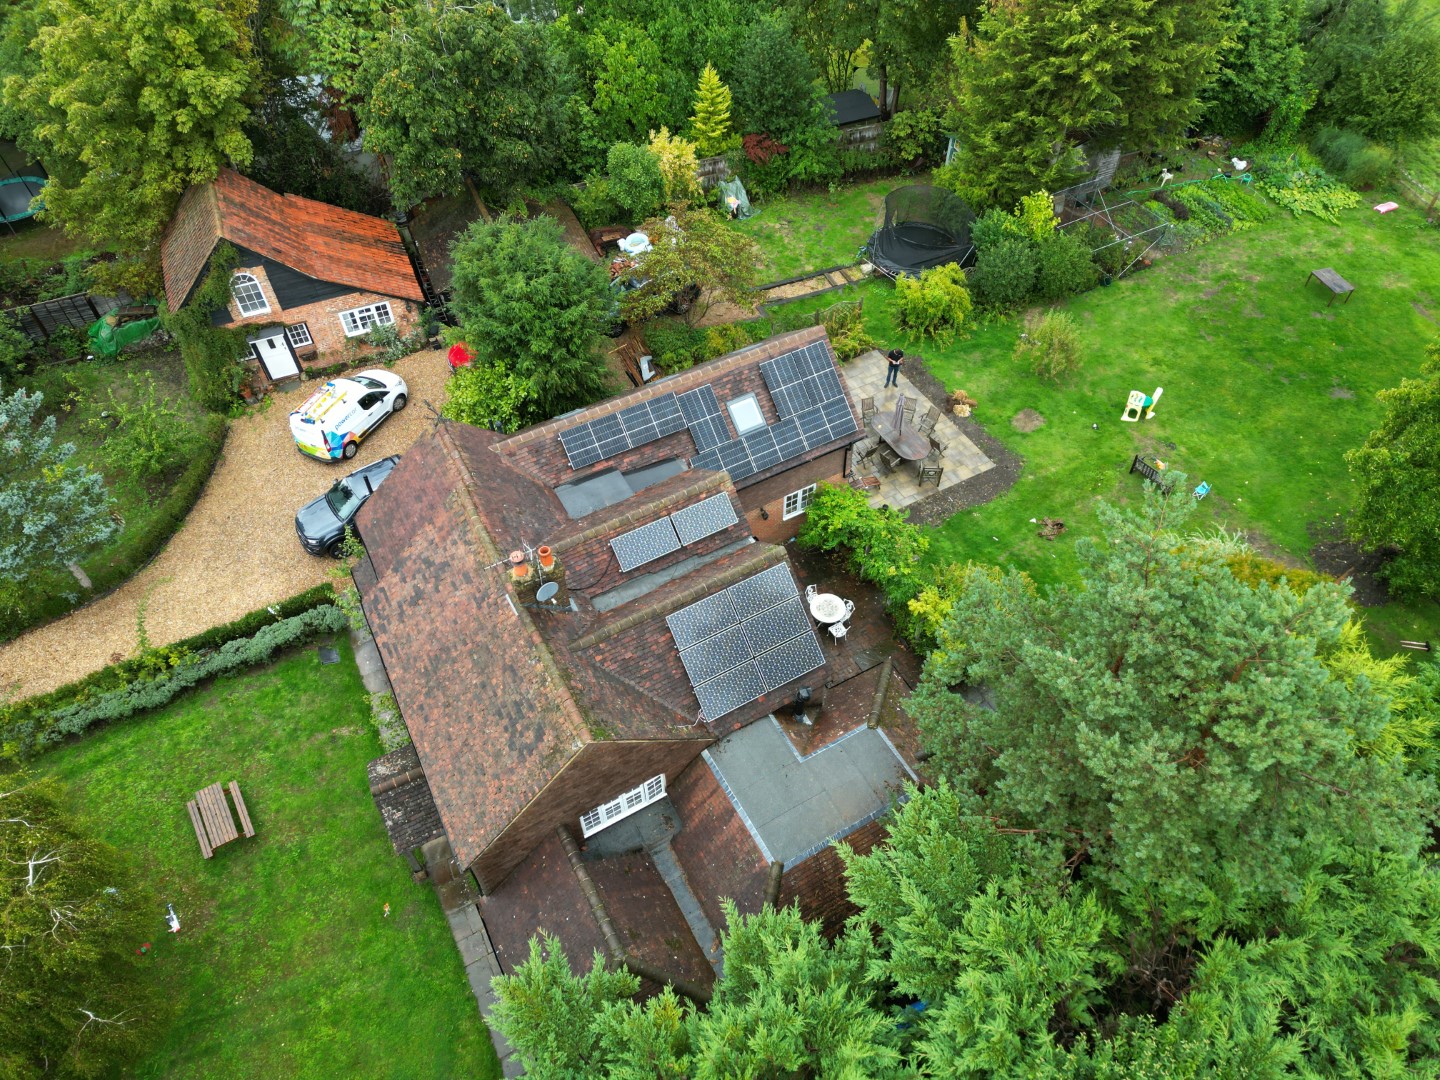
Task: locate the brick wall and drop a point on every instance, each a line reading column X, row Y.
column 323, row 320
column 595, row 775
column 769, row 495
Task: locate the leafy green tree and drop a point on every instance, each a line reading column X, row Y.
column 700, row 256
column 834, row 33
column 141, row 434
column 627, row 98
column 483, row 393
column 1165, row 720
column 52, row 509
column 73, row 999
column 1261, row 64
column 1397, row 477
column 634, row 180
column 1376, row 67
column 154, row 91
column 453, row 91
column 772, row 79
column 331, row 37
column 909, row 44
column 679, row 163
column 710, row 125
column 19, row 25
column 533, row 306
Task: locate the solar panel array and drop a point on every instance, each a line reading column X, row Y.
column 745, row 641
column 703, row 417
column 687, row 525
column 606, row 436
column 704, row 518
column 642, row 545
column 801, row 379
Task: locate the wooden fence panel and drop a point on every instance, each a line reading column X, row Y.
column 42, row 319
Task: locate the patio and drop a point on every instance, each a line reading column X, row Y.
column 962, row 459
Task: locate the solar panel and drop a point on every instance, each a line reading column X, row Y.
column 666, row 412
column 735, row 458
column 708, row 432
column 789, row 661
column 698, row 403
column 827, row 384
column 710, row 459
column 580, row 446
column 745, row 641
column 788, row 439
column 762, row 449
column 731, row 690
column 838, row 417
column 775, row 625
column 704, row 518
column 638, row 425
column 645, row 544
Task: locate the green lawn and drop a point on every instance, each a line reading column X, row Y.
column 1257, row 372
column 800, row 233
column 284, row 965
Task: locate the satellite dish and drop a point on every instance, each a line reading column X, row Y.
column 547, row 592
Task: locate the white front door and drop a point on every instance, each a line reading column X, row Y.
column 275, row 353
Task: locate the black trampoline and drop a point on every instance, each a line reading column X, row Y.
column 924, row 227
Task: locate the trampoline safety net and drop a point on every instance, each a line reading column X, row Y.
column 924, row 227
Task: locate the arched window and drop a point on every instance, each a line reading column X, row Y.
column 248, row 295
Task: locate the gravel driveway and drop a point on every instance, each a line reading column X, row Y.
column 235, row 552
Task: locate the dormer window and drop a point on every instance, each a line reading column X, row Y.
column 249, row 296
column 745, row 413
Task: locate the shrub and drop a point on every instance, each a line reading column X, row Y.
column 879, row 544
column 636, row 183
column 845, row 325
column 679, row 166
column 14, row 348
column 1354, row 158
column 212, row 354
column 915, row 136
column 487, row 395
column 1064, row 269
column 1004, row 276
column 1106, row 251
column 936, row 303
column 143, row 437
column 991, row 227
column 726, row 338
column 1049, row 344
column 31, row 726
column 594, row 204
column 674, row 344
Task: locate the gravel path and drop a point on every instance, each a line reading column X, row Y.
column 235, row 552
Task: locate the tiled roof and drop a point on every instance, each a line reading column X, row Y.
column 322, row 241
column 486, row 705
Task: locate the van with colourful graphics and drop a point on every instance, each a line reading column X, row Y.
column 337, row 418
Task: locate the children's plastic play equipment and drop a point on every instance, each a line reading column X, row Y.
column 1139, row 403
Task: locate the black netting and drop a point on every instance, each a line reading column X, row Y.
column 924, row 227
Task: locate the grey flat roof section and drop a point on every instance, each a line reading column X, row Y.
column 795, row 807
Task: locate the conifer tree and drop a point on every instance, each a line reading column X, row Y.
column 1165, row 721
column 710, row 126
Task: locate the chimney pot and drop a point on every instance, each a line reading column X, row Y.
column 547, row 557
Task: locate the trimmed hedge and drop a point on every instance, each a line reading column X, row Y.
column 32, row 727
column 41, row 605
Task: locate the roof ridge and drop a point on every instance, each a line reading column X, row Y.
column 647, row 511
column 471, row 509
column 677, row 383
column 762, row 558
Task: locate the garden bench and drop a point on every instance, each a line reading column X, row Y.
column 210, row 815
column 1150, row 469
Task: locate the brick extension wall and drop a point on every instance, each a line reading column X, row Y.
column 818, row 883
column 323, row 320
column 769, row 495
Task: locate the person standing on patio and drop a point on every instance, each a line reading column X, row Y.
column 893, row 359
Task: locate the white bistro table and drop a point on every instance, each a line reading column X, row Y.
column 827, row 608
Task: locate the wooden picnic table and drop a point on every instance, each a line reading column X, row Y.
column 210, row 815
column 905, row 441
column 1337, row 285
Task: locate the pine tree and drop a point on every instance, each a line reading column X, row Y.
column 1166, row 722
column 710, row 126
column 52, row 509
column 1397, row 475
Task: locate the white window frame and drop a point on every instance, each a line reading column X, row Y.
column 797, row 502
column 742, row 401
column 362, row 320
column 247, row 307
column 294, row 333
column 622, row 806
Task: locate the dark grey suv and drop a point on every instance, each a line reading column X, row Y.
column 320, row 524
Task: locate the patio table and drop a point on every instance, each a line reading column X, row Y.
column 905, row 441
column 827, row 608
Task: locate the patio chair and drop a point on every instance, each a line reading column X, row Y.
column 928, row 421
column 867, row 410
column 838, row 631
column 889, row 458
column 849, row 610
column 909, row 411
column 937, row 447
column 931, row 472
column 810, row 591
column 1202, row 490
column 865, row 447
